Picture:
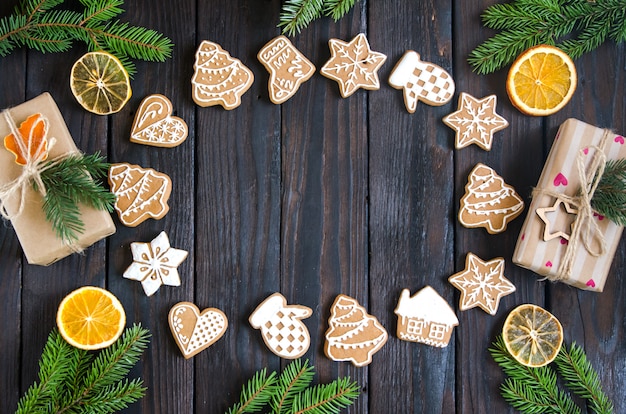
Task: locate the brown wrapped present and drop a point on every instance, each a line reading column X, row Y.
column 23, row 205
column 562, row 238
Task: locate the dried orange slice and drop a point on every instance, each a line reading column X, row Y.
column 532, row 335
column 100, row 83
column 541, row 81
column 91, row 318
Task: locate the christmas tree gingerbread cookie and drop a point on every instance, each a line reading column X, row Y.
column 281, row 326
column 353, row 334
column 425, row 318
column 219, row 79
column 488, row 201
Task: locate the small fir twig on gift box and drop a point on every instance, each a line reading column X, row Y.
column 39, row 25
column 298, row 14
column 291, row 393
column 535, row 390
column 72, row 380
column 575, row 26
column 610, row 196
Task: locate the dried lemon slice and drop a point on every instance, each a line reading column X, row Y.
column 100, row 83
column 532, row 335
column 91, row 318
column 541, row 81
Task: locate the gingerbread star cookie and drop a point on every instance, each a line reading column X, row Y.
column 155, row 264
column 353, row 65
column 482, row 284
column 488, row 202
column 288, row 68
column 219, row 78
column 475, row 121
column 421, row 81
column 281, row 326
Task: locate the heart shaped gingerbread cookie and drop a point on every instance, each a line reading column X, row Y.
column 193, row 330
column 154, row 124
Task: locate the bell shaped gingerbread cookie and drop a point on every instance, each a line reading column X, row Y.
column 219, row 78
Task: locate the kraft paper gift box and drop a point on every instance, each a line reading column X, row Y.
column 39, row 243
column 548, row 243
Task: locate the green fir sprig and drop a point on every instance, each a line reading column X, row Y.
column 575, row 26
column 73, row 181
column 535, row 390
column 40, row 25
column 292, row 393
column 298, row 14
column 72, row 380
column 609, row 198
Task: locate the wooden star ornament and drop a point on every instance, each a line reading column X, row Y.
column 353, row 65
column 475, row 121
column 562, row 224
column 482, row 284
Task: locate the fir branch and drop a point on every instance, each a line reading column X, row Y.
column 297, row 14
column 37, row 26
column 256, row 393
column 294, row 379
column 327, row 398
column 53, row 372
column 529, row 386
column 584, row 24
column 69, row 183
column 337, row 8
column 582, row 379
column 609, row 198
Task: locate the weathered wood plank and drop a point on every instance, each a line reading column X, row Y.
column 411, row 222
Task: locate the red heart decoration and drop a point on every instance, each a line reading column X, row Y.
column 586, row 151
column 523, row 236
column 619, row 139
column 563, row 241
column 591, row 283
column 599, row 216
column 548, row 264
column 560, row 179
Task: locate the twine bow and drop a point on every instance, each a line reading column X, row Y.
column 32, row 169
column 585, row 229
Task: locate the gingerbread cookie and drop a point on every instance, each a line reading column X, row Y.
column 421, row 81
column 141, row 193
column 194, row 331
column 288, row 68
column 475, row 121
column 425, row 318
column 488, row 201
column 281, row 326
column 353, row 65
column 155, row 264
column 154, row 124
column 219, row 79
column 482, row 284
column 353, row 334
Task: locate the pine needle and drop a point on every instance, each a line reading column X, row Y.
column 610, row 196
column 298, row 14
column 327, row 398
column 294, row 379
column 575, row 26
column 256, row 393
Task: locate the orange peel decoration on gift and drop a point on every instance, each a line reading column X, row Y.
column 31, row 143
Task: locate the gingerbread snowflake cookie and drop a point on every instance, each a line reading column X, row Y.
column 482, row 284
column 155, row 264
column 353, row 334
column 141, row 193
column 475, row 121
column 155, row 125
column 288, row 68
column 425, row 318
column 281, row 326
column 194, row 331
column 488, row 202
column 421, row 81
column 219, row 79
column 353, row 65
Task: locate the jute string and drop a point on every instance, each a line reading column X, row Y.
column 585, row 229
column 31, row 171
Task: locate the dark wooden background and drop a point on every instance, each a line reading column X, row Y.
column 316, row 197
